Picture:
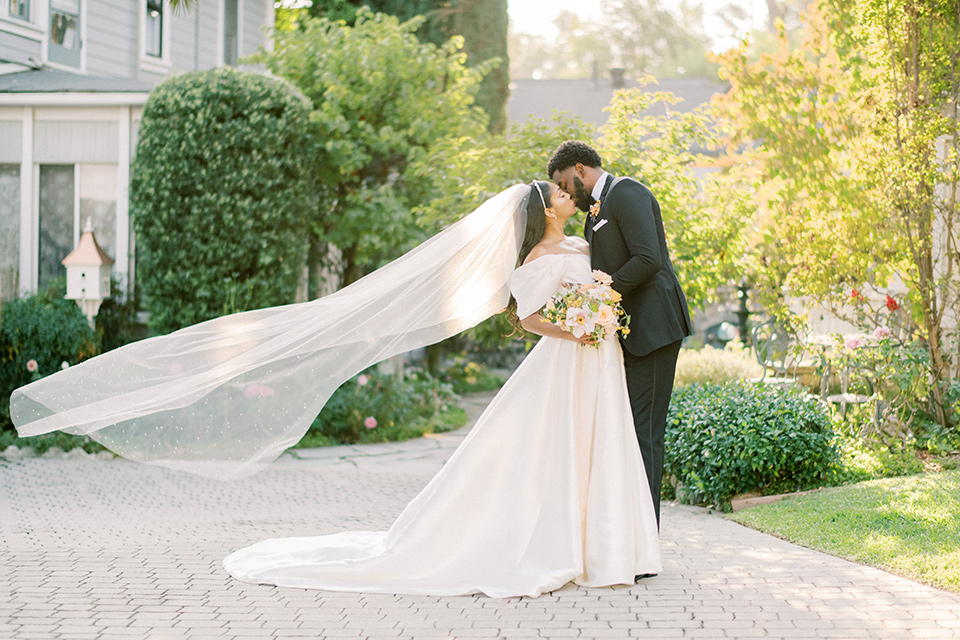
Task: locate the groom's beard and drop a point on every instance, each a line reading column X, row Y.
column 581, row 197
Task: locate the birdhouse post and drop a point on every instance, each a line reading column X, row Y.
column 88, row 274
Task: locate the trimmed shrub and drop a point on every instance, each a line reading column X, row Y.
column 220, row 196
column 37, row 335
column 724, row 440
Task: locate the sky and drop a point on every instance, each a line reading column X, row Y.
column 536, row 16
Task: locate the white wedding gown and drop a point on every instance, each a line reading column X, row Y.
column 548, row 487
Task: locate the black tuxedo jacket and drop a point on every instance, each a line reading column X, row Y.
column 627, row 241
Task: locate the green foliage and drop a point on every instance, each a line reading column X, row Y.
column 723, row 440
column 862, row 462
column 116, row 319
column 38, row 445
column 380, row 408
column 382, row 101
column 219, row 196
column 483, row 26
column 467, row 376
column 41, row 332
column 851, row 140
column 467, row 171
column 895, row 375
column 703, row 217
column 716, row 366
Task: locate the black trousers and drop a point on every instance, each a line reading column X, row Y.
column 650, row 383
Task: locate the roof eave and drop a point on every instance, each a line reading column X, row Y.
column 74, row 99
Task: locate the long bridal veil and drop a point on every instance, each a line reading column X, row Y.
column 225, row 397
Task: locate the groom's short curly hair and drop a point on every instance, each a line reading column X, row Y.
column 570, row 153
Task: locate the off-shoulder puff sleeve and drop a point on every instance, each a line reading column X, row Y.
column 534, row 283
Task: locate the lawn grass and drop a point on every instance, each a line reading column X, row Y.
column 909, row 526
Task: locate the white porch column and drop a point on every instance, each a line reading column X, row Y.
column 121, row 263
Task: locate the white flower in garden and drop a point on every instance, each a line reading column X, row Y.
column 64, row 365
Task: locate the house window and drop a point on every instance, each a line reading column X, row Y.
column 56, row 220
column 9, row 231
column 231, row 31
column 153, row 45
column 65, row 207
column 65, row 32
column 20, row 9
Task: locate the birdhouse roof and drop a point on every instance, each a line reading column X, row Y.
column 88, row 253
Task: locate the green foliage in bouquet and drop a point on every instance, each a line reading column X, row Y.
column 384, row 408
column 724, row 440
column 38, row 336
column 220, row 195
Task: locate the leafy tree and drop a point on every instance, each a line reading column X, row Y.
column 381, row 101
column 652, row 40
column 219, row 194
column 703, row 215
column 481, row 23
column 648, row 39
column 852, row 138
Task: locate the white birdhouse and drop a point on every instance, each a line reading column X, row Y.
column 88, row 274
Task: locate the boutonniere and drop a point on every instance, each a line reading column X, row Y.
column 595, row 209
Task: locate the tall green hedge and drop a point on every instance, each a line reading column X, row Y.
column 220, row 195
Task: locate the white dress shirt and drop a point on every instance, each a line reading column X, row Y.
column 598, row 188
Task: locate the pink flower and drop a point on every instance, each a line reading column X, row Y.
column 602, row 277
column 257, row 390
column 370, row 422
column 363, row 380
column 854, row 343
column 892, row 304
column 881, row 332
column 32, row 366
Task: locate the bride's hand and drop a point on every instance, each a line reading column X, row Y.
column 586, row 339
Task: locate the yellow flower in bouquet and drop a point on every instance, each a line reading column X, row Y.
column 590, row 309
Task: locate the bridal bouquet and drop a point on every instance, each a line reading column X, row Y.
column 592, row 309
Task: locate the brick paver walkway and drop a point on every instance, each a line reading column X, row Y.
column 109, row 549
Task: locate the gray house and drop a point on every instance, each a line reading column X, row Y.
column 74, row 76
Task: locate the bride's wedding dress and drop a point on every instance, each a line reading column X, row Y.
column 548, row 487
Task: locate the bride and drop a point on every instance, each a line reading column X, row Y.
column 547, row 488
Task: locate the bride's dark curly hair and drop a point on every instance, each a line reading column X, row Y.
column 536, row 226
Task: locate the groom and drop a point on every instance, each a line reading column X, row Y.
column 627, row 241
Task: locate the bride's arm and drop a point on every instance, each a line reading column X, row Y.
column 534, row 323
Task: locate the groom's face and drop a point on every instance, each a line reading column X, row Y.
column 569, row 180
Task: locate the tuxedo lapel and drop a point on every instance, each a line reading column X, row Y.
column 591, row 221
column 606, row 187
